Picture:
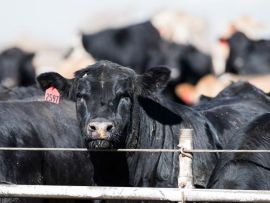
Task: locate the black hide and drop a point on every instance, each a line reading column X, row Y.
column 19, row 93
column 233, row 107
column 42, row 124
column 247, row 171
column 128, row 46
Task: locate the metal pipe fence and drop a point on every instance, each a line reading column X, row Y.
column 185, row 192
column 133, row 193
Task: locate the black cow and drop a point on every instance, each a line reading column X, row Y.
column 117, row 108
column 243, row 97
column 114, row 112
column 186, row 63
column 41, row 124
column 248, row 56
column 249, row 171
column 128, row 46
column 16, row 68
column 19, row 93
column 140, row 46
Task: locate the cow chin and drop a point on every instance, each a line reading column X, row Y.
column 99, row 144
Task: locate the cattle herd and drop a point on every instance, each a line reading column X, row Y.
column 132, row 97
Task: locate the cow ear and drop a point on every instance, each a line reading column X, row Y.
column 29, row 56
column 155, row 79
column 52, row 79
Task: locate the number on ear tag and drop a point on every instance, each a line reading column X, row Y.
column 52, row 95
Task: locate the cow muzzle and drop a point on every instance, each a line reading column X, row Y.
column 99, row 144
column 99, row 134
column 100, row 130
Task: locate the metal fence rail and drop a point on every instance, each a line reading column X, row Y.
column 187, row 150
column 132, row 193
column 184, row 193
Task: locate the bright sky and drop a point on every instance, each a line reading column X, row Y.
column 56, row 21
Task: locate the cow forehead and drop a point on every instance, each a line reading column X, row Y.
column 99, row 85
column 105, row 70
column 105, row 74
column 112, row 77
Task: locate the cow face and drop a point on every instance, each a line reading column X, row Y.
column 105, row 94
column 239, row 45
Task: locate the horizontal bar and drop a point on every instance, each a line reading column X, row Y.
column 89, row 192
column 226, row 150
column 133, row 193
column 85, row 150
column 135, row 150
column 216, row 195
column 42, row 149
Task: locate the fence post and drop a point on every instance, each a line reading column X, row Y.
column 185, row 179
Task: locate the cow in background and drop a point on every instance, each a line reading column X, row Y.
column 239, row 103
column 140, row 46
column 16, row 68
column 245, row 171
column 220, row 49
column 186, row 63
column 210, row 86
column 19, row 93
column 129, row 46
column 50, row 57
column 248, row 56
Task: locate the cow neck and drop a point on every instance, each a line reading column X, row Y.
column 110, row 168
column 151, row 169
column 161, row 169
column 205, row 136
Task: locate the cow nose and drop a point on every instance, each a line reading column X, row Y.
column 101, row 129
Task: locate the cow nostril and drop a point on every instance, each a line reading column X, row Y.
column 92, row 127
column 100, row 127
column 109, row 128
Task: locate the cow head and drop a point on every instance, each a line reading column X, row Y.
column 105, row 95
column 16, row 68
column 240, row 46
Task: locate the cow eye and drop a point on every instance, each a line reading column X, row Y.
column 81, row 96
column 125, row 95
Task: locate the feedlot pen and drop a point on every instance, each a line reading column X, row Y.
column 185, row 192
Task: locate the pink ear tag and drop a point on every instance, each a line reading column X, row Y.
column 52, row 95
